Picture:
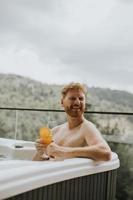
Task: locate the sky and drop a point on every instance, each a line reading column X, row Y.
column 60, row 41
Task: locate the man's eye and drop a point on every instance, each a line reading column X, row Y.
column 73, row 98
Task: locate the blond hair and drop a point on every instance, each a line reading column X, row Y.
column 73, row 86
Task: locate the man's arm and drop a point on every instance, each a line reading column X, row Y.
column 97, row 148
column 95, row 152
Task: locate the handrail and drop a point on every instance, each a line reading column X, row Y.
column 53, row 110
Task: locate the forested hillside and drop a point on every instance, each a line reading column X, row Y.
column 24, row 92
column 18, row 91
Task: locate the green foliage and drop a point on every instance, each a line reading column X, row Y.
column 125, row 173
column 2, row 129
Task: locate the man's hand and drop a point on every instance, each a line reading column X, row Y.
column 40, row 147
column 55, row 151
column 41, row 151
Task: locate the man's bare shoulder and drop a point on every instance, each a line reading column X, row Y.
column 92, row 134
column 89, row 125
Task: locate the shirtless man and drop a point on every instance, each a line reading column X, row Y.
column 77, row 137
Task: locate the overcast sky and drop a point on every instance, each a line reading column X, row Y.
column 59, row 41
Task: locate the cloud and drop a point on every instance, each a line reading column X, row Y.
column 89, row 41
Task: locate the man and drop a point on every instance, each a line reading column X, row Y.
column 77, row 137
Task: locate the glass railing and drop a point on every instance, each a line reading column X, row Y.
column 116, row 127
column 24, row 123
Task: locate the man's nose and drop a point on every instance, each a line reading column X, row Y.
column 77, row 101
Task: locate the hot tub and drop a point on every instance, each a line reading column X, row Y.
column 70, row 179
column 16, row 149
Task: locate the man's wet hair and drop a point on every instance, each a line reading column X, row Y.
column 73, row 86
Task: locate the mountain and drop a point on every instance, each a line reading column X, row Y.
column 19, row 91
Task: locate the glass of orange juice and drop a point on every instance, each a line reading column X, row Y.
column 46, row 135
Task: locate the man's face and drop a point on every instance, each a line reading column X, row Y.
column 74, row 103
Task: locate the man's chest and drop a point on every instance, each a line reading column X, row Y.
column 69, row 139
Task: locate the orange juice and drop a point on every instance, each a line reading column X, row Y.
column 46, row 135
